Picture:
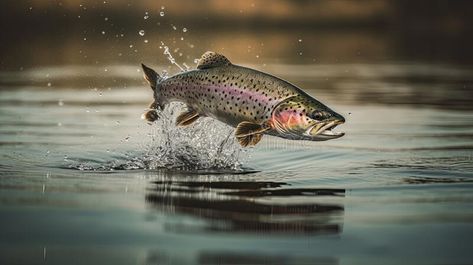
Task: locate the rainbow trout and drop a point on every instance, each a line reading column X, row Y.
column 253, row 102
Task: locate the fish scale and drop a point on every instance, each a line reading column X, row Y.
column 233, row 97
column 254, row 102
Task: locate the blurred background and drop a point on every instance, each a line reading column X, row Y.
column 38, row 32
column 408, row 41
column 84, row 179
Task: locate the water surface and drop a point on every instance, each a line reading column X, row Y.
column 84, row 180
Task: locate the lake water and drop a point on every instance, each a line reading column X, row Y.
column 85, row 181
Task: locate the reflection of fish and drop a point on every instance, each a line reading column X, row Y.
column 254, row 102
column 230, row 206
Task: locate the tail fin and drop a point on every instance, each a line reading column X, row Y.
column 151, row 76
column 153, row 79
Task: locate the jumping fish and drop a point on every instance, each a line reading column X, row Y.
column 253, row 102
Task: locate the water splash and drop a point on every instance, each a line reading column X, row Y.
column 205, row 146
column 170, row 57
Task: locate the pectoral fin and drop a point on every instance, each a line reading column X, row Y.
column 187, row 117
column 248, row 133
column 250, row 139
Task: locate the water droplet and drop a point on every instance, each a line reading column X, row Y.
column 131, row 46
column 162, row 7
column 174, row 27
column 300, row 53
column 141, row 32
column 300, row 40
column 184, row 30
column 161, row 13
column 60, row 102
column 145, row 41
column 106, row 19
column 85, row 38
column 182, row 38
column 145, row 17
column 49, row 84
column 196, row 61
column 103, row 32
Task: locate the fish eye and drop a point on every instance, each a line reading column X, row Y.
column 316, row 115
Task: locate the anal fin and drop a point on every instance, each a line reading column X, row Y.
column 248, row 133
column 150, row 115
column 187, row 117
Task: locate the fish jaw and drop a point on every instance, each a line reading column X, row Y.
column 323, row 131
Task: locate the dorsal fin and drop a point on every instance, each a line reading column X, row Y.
column 212, row 59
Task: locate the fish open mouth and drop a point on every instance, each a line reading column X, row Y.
column 324, row 130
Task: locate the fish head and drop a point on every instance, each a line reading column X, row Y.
column 305, row 118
